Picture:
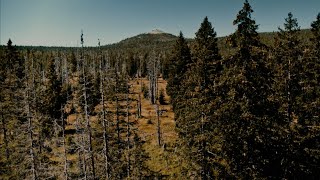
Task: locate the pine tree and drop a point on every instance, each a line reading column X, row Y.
column 244, row 111
column 204, row 73
column 315, row 29
column 179, row 63
column 12, row 114
column 194, row 98
column 311, row 99
column 288, row 90
column 302, row 143
column 289, row 59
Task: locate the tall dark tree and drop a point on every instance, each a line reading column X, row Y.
column 51, row 99
column 296, row 92
column 287, row 88
column 194, row 99
column 303, row 101
column 201, row 95
column 12, row 111
column 315, row 29
column 179, row 63
column 245, row 112
column 289, row 59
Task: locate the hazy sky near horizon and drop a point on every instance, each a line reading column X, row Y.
column 59, row 22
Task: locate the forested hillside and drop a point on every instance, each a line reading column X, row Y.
column 159, row 106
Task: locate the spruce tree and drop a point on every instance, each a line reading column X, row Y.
column 289, row 61
column 303, row 143
column 287, row 88
column 245, row 112
column 179, row 64
column 311, row 99
column 12, row 116
column 205, row 71
column 52, row 98
column 297, row 92
column 315, row 29
column 193, row 111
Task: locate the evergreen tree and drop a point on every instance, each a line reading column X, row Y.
column 73, row 62
column 201, row 95
column 303, row 142
column 52, row 98
column 309, row 129
column 287, row 88
column 315, row 29
column 297, row 94
column 193, row 110
column 179, row 63
column 289, row 61
column 245, row 113
column 12, row 116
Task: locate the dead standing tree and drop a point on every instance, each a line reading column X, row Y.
column 85, row 139
column 29, row 100
column 153, row 70
column 104, row 120
column 86, row 111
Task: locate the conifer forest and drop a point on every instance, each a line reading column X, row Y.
column 160, row 106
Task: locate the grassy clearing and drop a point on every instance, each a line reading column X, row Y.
column 163, row 159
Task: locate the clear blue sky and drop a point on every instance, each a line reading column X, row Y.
column 59, row 22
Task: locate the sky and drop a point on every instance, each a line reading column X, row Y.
column 59, row 22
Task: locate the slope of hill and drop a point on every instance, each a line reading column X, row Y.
column 159, row 40
column 156, row 39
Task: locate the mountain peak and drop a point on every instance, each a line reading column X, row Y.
column 156, row 31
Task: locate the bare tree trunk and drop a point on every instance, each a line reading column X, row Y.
column 289, row 111
column 117, row 117
column 87, row 118
column 117, row 112
column 79, row 139
column 30, row 130
column 128, row 133
column 104, row 122
column 139, row 102
column 65, row 170
column 31, row 89
column 150, row 89
column 84, row 157
column 66, row 80
column 158, row 125
column 204, row 171
column 153, row 78
column 139, row 106
column 5, row 136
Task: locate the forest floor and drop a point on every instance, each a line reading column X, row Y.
column 163, row 159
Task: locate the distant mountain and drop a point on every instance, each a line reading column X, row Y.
column 162, row 41
column 156, row 31
column 154, row 39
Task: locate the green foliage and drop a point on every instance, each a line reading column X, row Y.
column 12, row 113
column 246, row 33
column 191, row 85
column 244, row 108
column 132, row 66
column 162, row 100
column 315, row 29
column 179, row 64
column 73, row 62
column 145, row 91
